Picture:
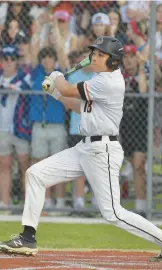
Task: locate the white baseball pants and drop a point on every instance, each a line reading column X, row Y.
column 100, row 162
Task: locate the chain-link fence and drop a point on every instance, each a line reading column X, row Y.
column 37, row 37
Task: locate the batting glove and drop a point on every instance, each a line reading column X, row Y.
column 48, row 85
column 55, row 74
column 56, row 94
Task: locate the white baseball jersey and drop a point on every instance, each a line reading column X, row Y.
column 102, row 103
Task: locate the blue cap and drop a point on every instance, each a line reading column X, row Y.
column 10, row 51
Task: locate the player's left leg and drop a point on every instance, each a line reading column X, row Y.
column 62, row 167
column 101, row 167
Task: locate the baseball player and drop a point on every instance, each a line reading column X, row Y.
column 98, row 155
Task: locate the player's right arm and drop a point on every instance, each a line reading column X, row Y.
column 71, row 103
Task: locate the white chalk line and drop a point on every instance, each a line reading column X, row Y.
column 93, row 256
column 67, row 220
column 99, row 262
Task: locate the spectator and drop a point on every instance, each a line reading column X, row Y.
column 3, row 12
column 123, row 6
column 86, row 9
column 14, row 125
column 158, row 101
column 56, row 39
column 19, row 11
column 62, row 38
column 48, row 117
column 100, row 27
column 11, row 33
column 138, row 10
column 137, row 32
column 159, row 33
column 80, row 75
column 37, row 8
column 25, row 59
column 117, row 27
column 70, row 8
column 134, row 121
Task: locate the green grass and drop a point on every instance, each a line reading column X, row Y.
column 96, row 236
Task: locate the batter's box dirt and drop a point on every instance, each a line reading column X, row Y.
column 81, row 260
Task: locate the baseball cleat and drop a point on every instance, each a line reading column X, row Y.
column 157, row 258
column 19, row 245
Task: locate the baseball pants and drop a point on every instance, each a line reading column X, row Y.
column 100, row 162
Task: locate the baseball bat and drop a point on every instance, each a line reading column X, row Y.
column 85, row 62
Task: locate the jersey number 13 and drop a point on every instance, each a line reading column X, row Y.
column 88, row 106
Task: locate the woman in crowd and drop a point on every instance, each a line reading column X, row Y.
column 137, row 32
column 117, row 27
column 158, row 36
column 19, row 11
column 11, row 33
column 100, row 26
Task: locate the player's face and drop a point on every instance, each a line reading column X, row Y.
column 98, row 62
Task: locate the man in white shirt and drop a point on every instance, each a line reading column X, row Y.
column 10, row 126
column 138, row 10
column 98, row 155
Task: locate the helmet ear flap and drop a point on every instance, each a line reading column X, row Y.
column 112, row 63
column 90, row 56
column 109, row 62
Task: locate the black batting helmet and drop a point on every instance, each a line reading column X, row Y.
column 110, row 46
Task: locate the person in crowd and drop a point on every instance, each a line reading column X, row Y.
column 25, row 57
column 85, row 10
column 37, row 8
column 123, row 6
column 158, row 36
column 61, row 38
column 158, row 102
column 54, row 40
column 71, row 7
column 100, row 26
column 19, row 11
column 117, row 27
column 134, row 122
column 3, row 12
column 11, row 33
column 137, row 33
column 74, row 134
column 49, row 135
column 138, row 10
column 23, row 44
column 15, row 127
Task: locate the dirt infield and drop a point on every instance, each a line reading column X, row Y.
column 76, row 260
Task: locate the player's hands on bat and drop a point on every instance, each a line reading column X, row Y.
column 48, row 84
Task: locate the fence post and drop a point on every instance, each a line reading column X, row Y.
column 152, row 31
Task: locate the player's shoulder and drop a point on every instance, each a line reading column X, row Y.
column 107, row 77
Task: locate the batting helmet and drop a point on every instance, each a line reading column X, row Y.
column 110, row 46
